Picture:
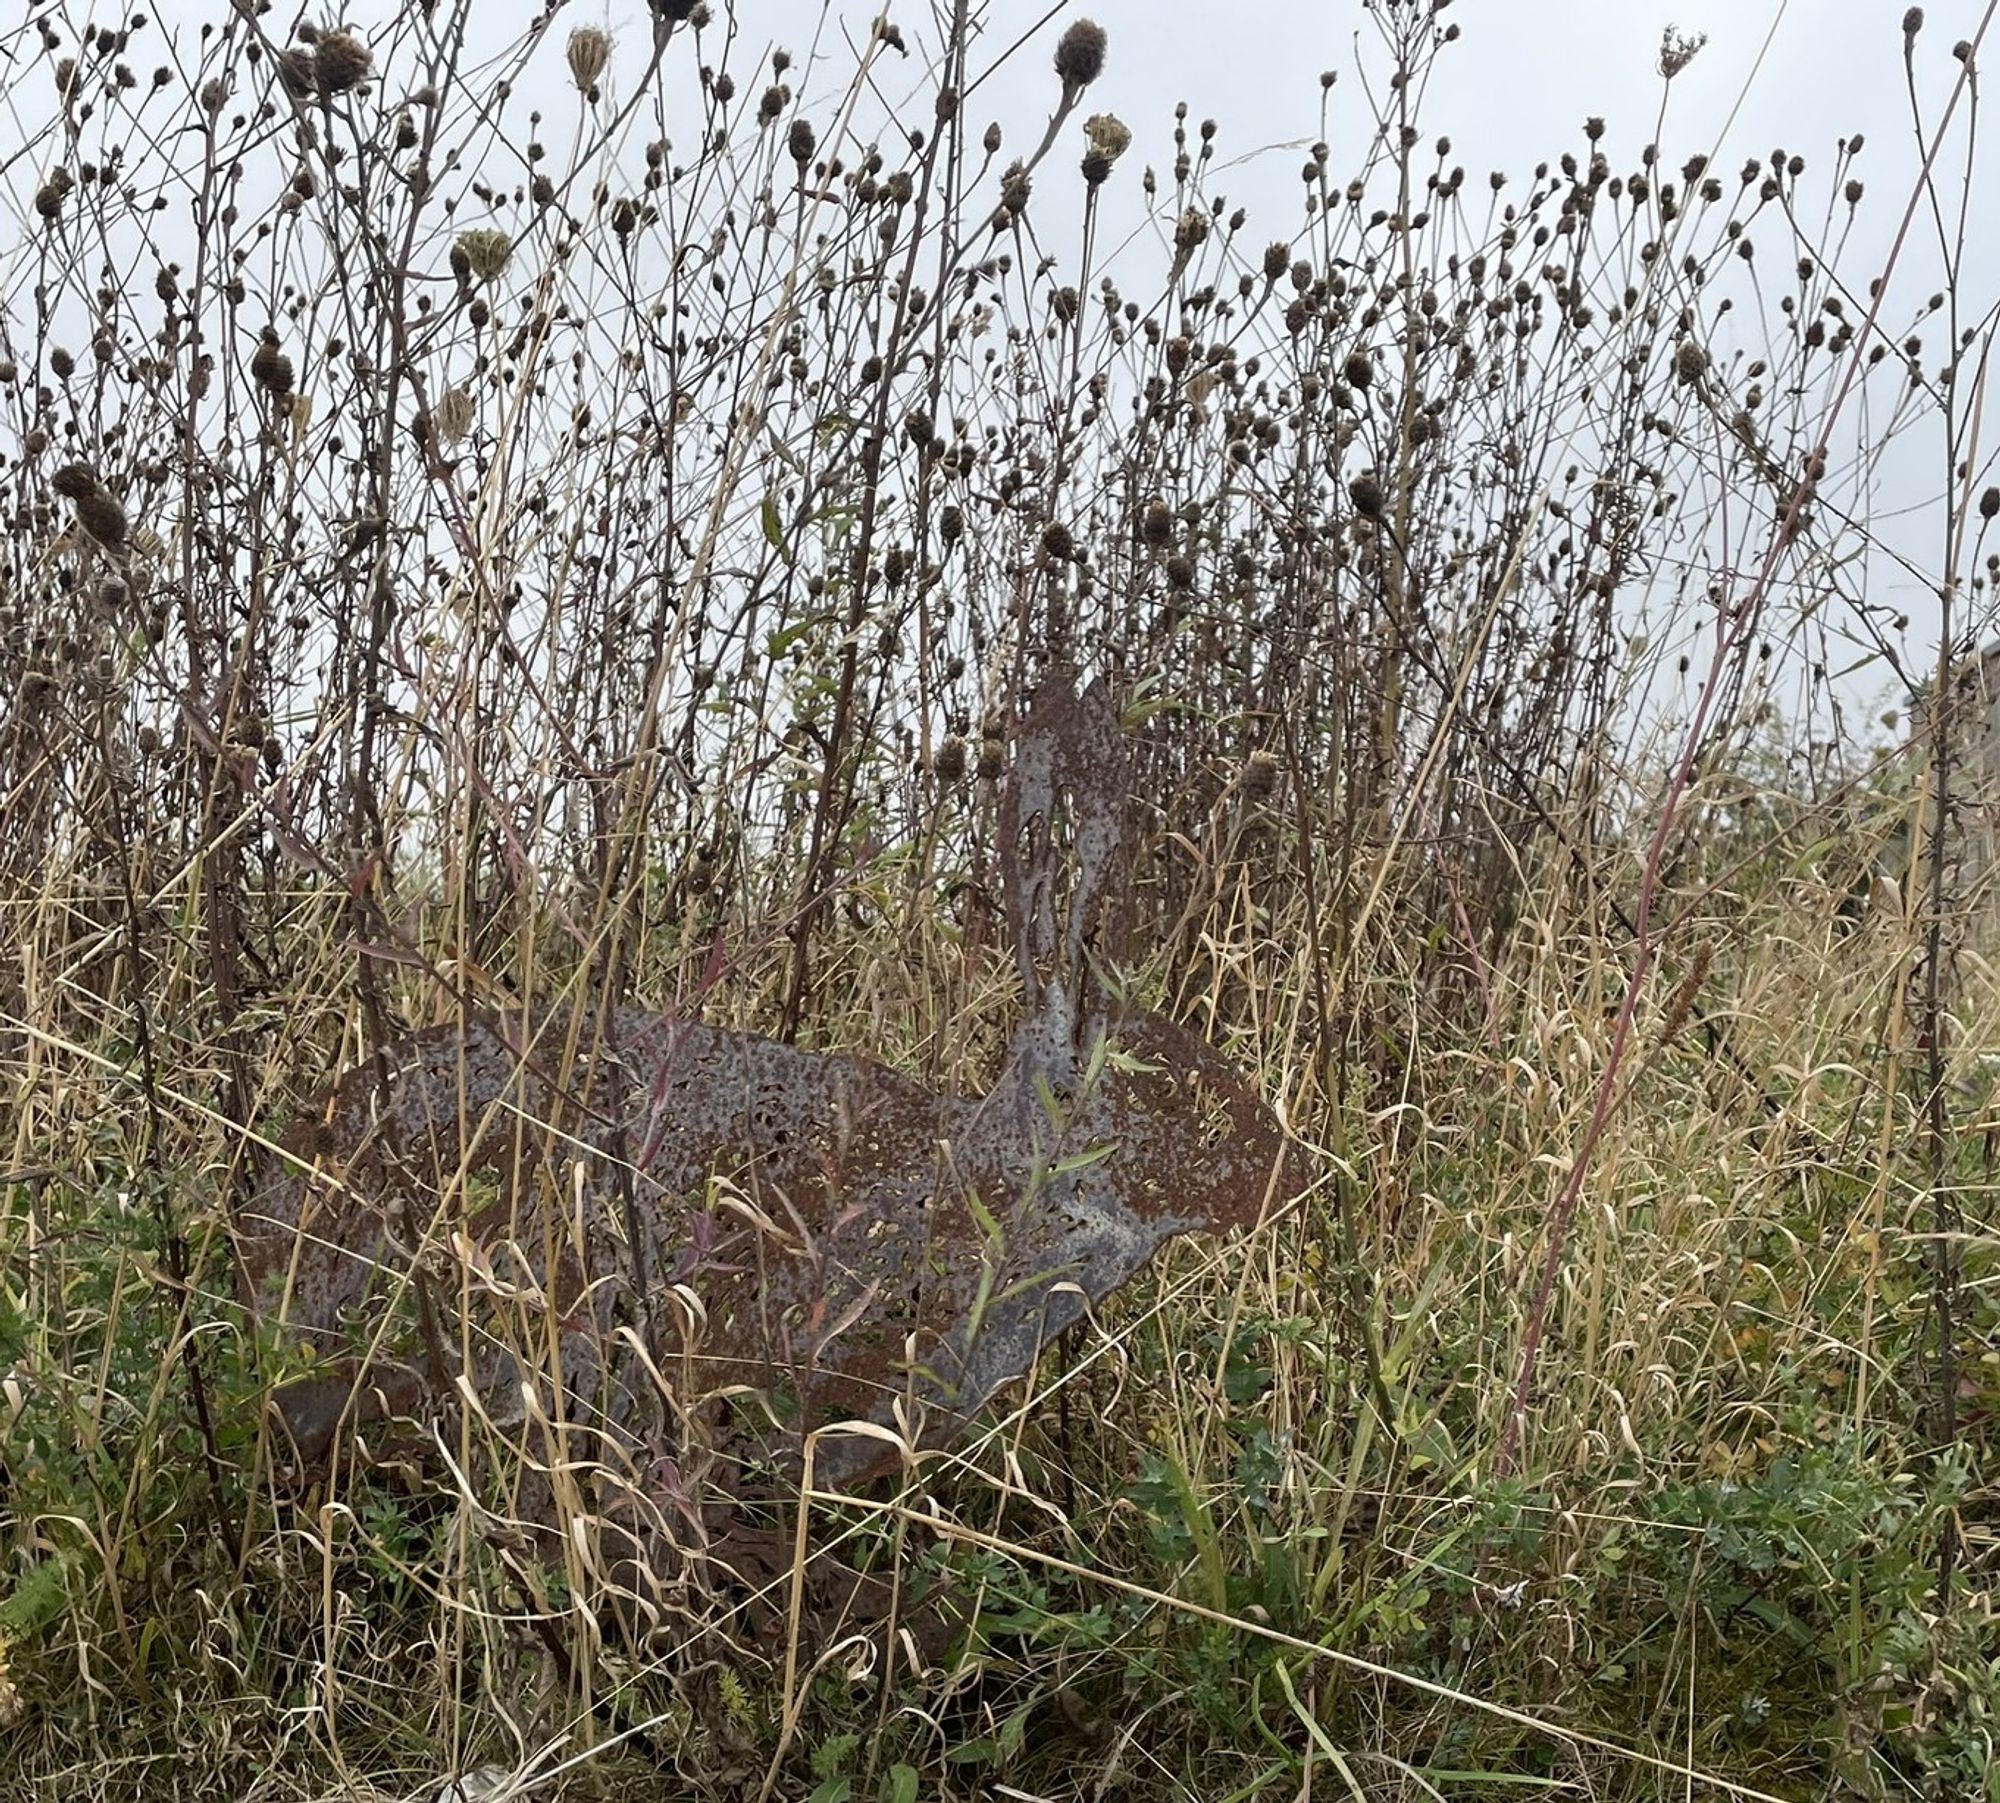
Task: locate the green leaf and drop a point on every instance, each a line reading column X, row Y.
column 834, row 1753
column 901, row 1785
column 774, row 528
column 1081, row 1161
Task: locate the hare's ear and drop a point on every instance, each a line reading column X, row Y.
column 1063, row 846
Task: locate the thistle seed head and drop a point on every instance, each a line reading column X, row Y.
column 99, row 514
column 1080, row 55
column 298, row 73
column 74, row 480
column 341, row 62
column 270, row 368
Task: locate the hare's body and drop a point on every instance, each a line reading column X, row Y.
column 654, row 1226
column 812, row 1229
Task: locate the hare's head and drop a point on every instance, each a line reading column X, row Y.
column 1063, row 851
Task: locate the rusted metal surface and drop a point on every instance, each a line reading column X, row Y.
column 710, row 1234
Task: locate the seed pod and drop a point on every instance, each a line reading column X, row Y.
column 589, row 55
column 454, row 413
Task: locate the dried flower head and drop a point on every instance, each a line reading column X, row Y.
column 1107, row 138
column 1690, row 362
column 341, row 62
column 454, row 413
column 486, row 252
column 948, row 762
column 589, row 56
column 1678, row 48
column 74, row 480
column 49, row 197
column 1365, row 491
column 298, row 73
column 270, row 368
column 100, row 514
column 1080, row 56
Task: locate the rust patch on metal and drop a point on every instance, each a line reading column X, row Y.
column 707, row 1230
